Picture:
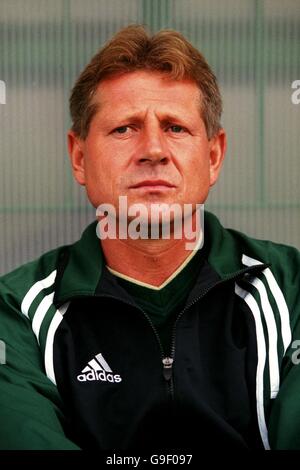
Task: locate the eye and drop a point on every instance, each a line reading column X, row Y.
column 121, row 130
column 177, row 129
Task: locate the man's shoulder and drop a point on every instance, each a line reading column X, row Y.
column 42, row 270
column 235, row 248
column 268, row 250
column 44, row 273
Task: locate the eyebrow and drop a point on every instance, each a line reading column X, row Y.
column 164, row 117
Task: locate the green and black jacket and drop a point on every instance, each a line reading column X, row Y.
column 85, row 367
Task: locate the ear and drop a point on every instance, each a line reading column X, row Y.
column 76, row 154
column 218, row 145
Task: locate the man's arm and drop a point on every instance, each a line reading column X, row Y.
column 31, row 413
column 284, row 422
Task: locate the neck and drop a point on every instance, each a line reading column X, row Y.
column 146, row 260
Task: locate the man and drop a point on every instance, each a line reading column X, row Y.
column 138, row 342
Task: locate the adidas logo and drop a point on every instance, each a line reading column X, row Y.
column 98, row 369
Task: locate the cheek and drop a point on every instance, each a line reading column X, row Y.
column 98, row 166
column 197, row 168
column 108, row 158
column 103, row 177
column 197, row 177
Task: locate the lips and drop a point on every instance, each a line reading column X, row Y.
column 153, row 183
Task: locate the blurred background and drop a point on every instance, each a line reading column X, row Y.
column 253, row 47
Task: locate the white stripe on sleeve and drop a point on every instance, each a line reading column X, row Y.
column 49, row 360
column 261, row 351
column 41, row 313
column 35, row 290
column 279, row 299
column 272, row 335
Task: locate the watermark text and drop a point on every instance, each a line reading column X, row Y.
column 295, row 96
column 159, row 221
column 2, row 352
column 2, row 92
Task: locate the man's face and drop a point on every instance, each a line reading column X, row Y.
column 148, row 142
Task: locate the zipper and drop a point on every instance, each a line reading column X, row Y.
column 167, row 370
column 168, row 361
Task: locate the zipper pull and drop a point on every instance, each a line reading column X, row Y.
column 167, row 371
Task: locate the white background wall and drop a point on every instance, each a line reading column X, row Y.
column 253, row 46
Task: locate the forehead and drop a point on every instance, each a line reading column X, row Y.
column 144, row 89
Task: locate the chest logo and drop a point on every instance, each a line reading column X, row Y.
column 98, row 369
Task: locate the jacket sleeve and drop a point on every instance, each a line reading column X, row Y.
column 31, row 412
column 284, row 422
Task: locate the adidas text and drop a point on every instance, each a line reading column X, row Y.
column 103, row 376
column 98, row 369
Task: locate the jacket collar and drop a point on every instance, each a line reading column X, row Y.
column 82, row 265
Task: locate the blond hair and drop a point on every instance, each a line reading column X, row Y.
column 133, row 49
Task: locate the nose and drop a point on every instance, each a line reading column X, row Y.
column 154, row 148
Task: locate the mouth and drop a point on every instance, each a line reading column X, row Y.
column 157, row 185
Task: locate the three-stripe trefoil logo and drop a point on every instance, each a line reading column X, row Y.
column 98, row 369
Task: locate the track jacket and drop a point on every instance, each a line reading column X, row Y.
column 82, row 366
